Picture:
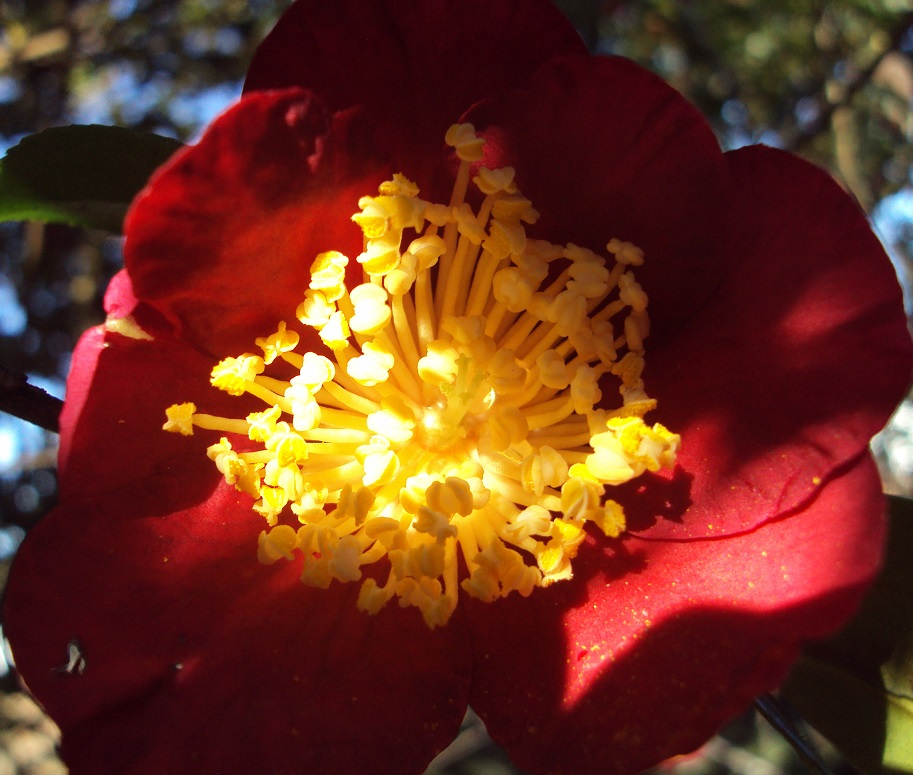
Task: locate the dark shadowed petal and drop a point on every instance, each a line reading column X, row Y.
column 606, row 149
column 664, row 641
column 222, row 239
column 198, row 659
column 416, row 66
column 792, row 366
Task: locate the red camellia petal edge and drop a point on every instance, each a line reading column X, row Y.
column 413, row 67
column 779, row 347
column 658, row 643
column 275, row 182
column 184, row 624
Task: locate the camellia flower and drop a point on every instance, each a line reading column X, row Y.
column 491, row 382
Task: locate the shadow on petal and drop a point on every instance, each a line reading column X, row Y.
column 653, row 497
column 194, row 651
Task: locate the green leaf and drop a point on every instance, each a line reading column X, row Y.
column 79, row 175
column 857, row 687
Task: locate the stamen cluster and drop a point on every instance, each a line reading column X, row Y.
column 456, row 419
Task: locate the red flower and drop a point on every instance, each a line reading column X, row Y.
column 778, row 347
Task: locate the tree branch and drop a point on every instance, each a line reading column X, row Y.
column 823, row 120
column 28, row 402
column 782, row 717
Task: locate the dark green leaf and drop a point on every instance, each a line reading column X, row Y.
column 80, row 175
column 857, row 687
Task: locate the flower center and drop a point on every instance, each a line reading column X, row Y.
column 454, row 439
column 456, row 418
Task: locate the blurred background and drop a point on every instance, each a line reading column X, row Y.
column 831, row 81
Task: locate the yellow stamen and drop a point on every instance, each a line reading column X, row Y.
column 453, row 418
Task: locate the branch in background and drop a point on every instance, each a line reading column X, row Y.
column 802, row 137
column 846, row 156
column 782, row 717
column 29, row 403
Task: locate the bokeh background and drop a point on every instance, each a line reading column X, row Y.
column 831, row 81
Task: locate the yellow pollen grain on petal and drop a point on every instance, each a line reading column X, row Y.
column 127, row 326
column 455, row 421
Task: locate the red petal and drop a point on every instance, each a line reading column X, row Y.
column 111, row 426
column 796, row 361
column 664, row 641
column 222, row 240
column 199, row 659
column 415, row 66
column 616, row 152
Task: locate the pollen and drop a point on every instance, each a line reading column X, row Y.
column 474, row 400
